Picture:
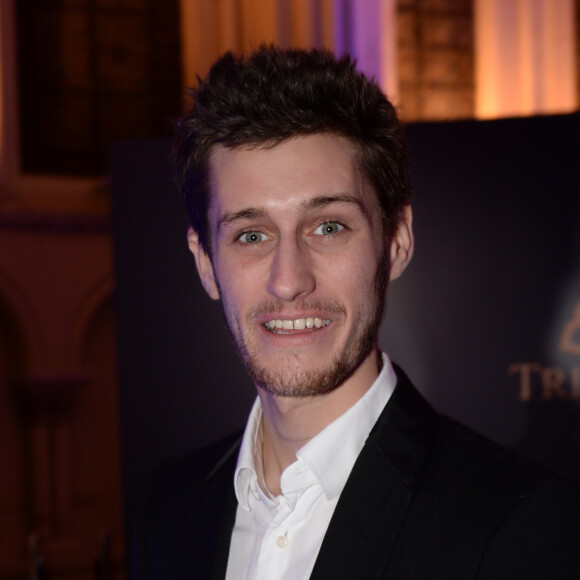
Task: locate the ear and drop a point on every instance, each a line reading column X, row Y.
column 204, row 265
column 402, row 244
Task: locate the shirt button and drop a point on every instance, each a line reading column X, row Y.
column 282, row 541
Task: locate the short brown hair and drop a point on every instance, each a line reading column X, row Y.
column 273, row 95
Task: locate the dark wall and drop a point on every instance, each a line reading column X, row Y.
column 479, row 317
column 182, row 386
column 477, row 321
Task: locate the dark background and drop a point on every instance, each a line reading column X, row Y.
column 494, row 281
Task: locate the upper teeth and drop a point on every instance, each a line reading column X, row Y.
column 297, row 324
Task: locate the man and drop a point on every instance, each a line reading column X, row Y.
column 294, row 171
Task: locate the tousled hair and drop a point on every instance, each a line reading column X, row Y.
column 273, row 95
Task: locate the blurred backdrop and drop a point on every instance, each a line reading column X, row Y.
column 88, row 91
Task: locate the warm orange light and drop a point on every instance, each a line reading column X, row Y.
column 525, row 59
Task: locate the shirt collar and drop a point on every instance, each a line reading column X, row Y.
column 331, row 454
column 250, row 457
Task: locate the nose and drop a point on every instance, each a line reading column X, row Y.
column 291, row 274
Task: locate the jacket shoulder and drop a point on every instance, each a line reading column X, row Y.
column 182, row 510
column 193, row 470
column 495, row 514
column 500, row 515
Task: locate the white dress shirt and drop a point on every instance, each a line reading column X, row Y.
column 278, row 537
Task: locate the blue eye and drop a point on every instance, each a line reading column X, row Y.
column 328, row 228
column 252, row 237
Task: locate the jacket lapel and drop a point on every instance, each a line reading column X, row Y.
column 373, row 504
column 215, row 520
column 224, row 533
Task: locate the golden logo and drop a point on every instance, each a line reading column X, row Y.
column 537, row 381
column 570, row 340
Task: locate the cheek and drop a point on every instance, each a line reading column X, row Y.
column 355, row 271
column 237, row 287
column 243, row 277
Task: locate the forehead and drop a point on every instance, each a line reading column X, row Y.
column 285, row 175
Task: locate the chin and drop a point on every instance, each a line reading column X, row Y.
column 303, row 383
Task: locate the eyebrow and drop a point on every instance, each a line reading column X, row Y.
column 314, row 203
column 324, row 200
column 244, row 214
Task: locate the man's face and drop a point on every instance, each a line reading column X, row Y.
column 299, row 262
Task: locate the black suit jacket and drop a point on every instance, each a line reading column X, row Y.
column 427, row 498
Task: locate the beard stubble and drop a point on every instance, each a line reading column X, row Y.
column 302, row 383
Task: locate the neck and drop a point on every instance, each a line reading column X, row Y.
column 290, row 422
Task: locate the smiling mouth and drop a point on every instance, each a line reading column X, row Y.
column 280, row 325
